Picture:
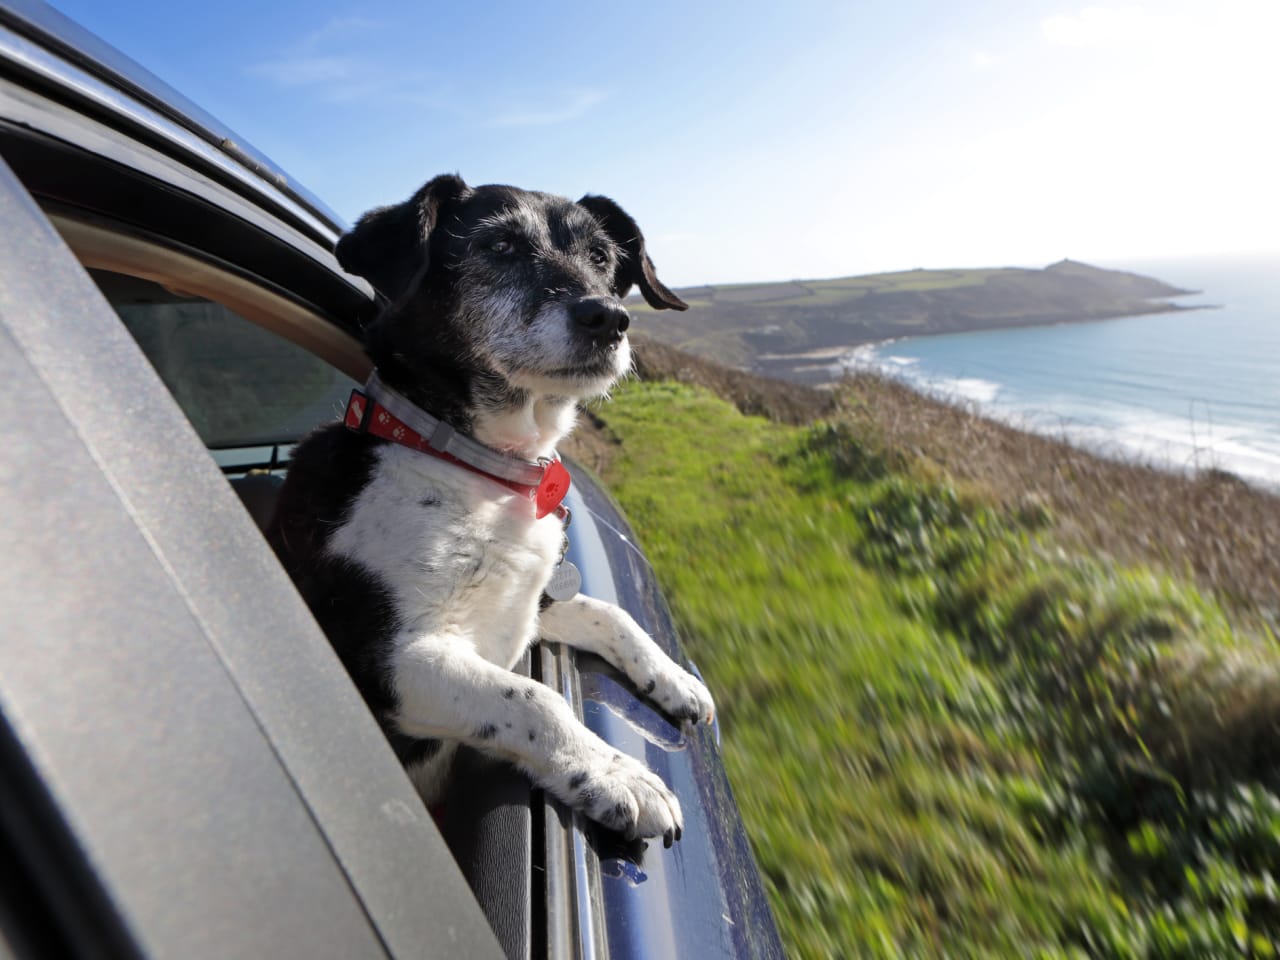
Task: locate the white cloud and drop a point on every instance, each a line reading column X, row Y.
column 322, row 63
column 552, row 110
column 339, row 28
column 308, row 71
column 1112, row 27
column 326, row 63
column 982, row 60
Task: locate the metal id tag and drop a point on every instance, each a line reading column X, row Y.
column 565, row 582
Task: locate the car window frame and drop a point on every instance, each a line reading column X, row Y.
column 98, row 245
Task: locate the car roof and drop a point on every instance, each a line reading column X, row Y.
column 101, row 64
column 57, row 32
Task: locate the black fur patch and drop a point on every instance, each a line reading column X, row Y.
column 410, row 750
column 352, row 606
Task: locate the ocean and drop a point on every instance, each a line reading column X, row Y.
column 1191, row 390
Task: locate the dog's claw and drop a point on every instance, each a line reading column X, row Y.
column 621, row 793
column 683, row 696
column 667, row 838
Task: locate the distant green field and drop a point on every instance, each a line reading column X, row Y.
column 947, row 736
column 740, row 323
column 801, row 293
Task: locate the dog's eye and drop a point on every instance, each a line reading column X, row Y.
column 502, row 247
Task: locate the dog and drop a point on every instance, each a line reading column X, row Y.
column 422, row 531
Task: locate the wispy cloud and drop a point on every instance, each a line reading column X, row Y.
column 982, row 61
column 555, row 109
column 340, row 28
column 332, row 64
column 324, row 63
column 317, row 60
column 304, row 71
column 1101, row 26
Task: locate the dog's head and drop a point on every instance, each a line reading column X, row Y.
column 501, row 282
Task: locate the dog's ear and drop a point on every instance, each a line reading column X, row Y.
column 636, row 267
column 388, row 246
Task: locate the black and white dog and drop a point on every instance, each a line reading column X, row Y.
column 422, row 532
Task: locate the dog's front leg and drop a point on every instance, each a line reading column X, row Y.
column 447, row 691
column 610, row 632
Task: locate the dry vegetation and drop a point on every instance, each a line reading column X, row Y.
column 1214, row 527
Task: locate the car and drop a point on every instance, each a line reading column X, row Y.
column 185, row 769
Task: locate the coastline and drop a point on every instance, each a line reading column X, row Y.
column 1205, row 437
column 1183, row 395
column 779, row 328
column 1098, row 441
column 811, row 366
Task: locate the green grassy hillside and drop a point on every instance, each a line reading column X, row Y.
column 950, row 731
column 778, row 328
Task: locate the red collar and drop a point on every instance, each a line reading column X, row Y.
column 365, row 415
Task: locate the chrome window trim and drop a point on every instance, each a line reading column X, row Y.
column 58, row 72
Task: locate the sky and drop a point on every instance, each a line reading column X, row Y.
column 759, row 141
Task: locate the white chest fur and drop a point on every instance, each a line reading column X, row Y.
column 460, row 556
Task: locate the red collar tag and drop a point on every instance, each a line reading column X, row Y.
column 365, row 415
column 552, row 488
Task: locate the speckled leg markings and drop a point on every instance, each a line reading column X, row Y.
column 455, row 694
column 610, row 632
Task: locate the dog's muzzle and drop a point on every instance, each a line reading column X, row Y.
column 599, row 318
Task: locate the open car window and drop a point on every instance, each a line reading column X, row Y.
column 252, row 368
column 240, row 385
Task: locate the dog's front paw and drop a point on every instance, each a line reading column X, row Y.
column 622, row 794
column 680, row 694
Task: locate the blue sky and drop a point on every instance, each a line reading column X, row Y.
column 763, row 141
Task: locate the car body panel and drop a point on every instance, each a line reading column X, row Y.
column 704, row 896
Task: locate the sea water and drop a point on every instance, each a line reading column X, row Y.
column 1194, row 390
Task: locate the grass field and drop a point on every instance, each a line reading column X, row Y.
column 949, row 735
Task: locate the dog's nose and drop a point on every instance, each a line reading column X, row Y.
column 601, row 318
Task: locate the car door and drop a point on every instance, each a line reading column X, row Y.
column 186, row 770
